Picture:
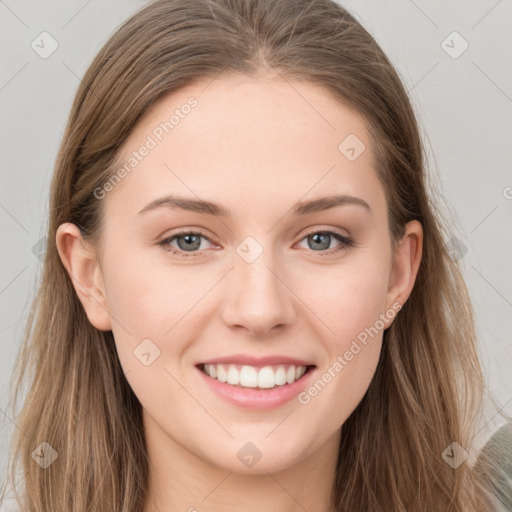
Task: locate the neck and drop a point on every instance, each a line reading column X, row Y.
column 181, row 481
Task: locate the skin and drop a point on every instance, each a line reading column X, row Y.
column 257, row 158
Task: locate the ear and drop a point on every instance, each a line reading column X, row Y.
column 405, row 268
column 80, row 261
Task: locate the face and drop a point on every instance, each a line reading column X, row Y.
column 271, row 264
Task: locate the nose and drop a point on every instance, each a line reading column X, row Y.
column 259, row 298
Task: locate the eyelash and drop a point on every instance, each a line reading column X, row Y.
column 346, row 243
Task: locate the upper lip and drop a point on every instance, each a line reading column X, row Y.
column 244, row 359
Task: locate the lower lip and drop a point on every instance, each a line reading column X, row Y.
column 256, row 398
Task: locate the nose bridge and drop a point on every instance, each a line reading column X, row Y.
column 258, row 299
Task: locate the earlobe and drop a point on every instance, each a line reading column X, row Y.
column 407, row 261
column 79, row 260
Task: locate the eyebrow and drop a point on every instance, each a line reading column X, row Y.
column 216, row 209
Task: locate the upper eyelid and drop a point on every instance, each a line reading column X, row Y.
column 325, row 230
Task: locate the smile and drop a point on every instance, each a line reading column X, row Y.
column 247, row 376
column 256, row 383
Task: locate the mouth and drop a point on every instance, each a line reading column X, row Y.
column 256, row 383
column 256, row 377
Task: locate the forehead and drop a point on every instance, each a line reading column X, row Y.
column 247, row 141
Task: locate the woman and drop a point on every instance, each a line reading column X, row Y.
column 247, row 302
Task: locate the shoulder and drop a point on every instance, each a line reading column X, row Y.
column 494, row 462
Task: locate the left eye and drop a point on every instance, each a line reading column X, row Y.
column 189, row 242
column 320, row 240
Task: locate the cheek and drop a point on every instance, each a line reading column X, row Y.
column 347, row 299
column 157, row 308
column 360, row 305
column 351, row 309
column 149, row 293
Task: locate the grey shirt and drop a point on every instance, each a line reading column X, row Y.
column 499, row 450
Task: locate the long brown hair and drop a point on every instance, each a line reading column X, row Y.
column 426, row 392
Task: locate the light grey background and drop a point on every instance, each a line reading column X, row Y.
column 464, row 106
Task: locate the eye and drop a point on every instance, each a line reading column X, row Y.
column 187, row 241
column 318, row 241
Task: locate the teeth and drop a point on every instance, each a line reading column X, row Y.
column 280, row 376
column 252, row 377
column 266, row 377
column 233, row 375
column 248, row 377
column 222, row 375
